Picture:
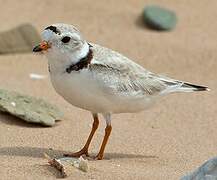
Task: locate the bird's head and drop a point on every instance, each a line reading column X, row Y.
column 62, row 42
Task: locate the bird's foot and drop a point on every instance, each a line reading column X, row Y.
column 84, row 152
column 78, row 154
column 98, row 157
column 94, row 158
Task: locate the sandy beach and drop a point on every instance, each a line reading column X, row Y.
column 164, row 142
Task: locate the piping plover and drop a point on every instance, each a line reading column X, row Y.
column 101, row 80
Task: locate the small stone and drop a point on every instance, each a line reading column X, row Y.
column 29, row 109
column 19, row 39
column 36, row 76
column 207, row 171
column 159, row 18
column 83, row 165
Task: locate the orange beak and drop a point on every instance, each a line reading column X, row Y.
column 43, row 46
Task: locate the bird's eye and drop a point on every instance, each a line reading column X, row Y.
column 66, row 39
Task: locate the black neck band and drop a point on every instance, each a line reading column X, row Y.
column 82, row 63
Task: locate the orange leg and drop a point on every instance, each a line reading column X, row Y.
column 108, row 130
column 84, row 150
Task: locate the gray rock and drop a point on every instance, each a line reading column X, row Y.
column 159, row 18
column 28, row 108
column 207, row 171
column 20, row 39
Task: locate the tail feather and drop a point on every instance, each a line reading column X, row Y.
column 194, row 87
column 184, row 87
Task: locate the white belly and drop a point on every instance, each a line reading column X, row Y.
column 81, row 90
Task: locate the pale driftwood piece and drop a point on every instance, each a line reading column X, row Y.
column 66, row 164
column 57, row 164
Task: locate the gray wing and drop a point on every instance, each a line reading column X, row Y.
column 118, row 74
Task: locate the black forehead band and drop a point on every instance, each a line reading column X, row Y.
column 54, row 29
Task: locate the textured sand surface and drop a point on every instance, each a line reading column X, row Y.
column 168, row 140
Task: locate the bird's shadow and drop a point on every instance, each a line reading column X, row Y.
column 37, row 152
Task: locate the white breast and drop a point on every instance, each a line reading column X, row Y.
column 82, row 90
column 79, row 89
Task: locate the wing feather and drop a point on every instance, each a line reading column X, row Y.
column 118, row 74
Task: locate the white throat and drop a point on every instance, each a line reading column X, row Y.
column 58, row 61
column 81, row 53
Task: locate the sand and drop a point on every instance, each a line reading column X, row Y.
column 164, row 142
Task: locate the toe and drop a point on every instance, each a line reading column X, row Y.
column 77, row 154
column 98, row 157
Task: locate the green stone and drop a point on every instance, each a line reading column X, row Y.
column 28, row 108
column 159, row 18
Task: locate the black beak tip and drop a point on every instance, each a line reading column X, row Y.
column 37, row 49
